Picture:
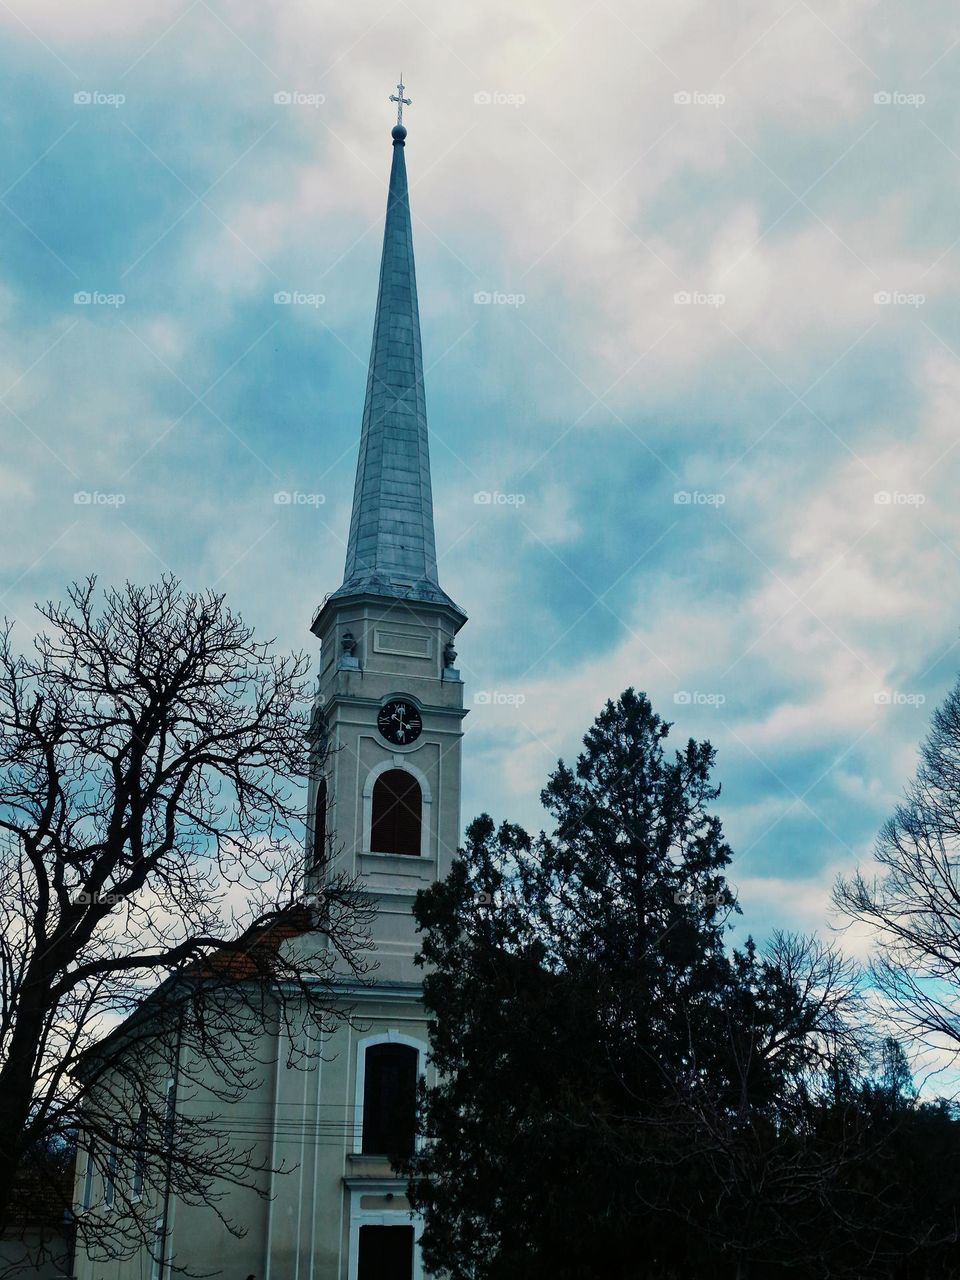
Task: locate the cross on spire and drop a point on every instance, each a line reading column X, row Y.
column 400, row 100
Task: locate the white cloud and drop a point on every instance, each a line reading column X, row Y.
column 599, row 197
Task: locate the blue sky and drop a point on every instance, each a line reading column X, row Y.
column 790, row 168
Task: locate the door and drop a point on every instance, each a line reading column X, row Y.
column 386, row 1253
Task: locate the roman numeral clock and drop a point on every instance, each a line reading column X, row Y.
column 399, row 722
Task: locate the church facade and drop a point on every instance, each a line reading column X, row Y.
column 384, row 805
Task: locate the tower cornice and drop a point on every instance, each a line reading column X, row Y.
column 436, row 601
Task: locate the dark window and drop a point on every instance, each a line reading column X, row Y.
column 320, row 824
column 110, row 1185
column 386, row 1253
column 139, row 1154
column 87, row 1202
column 170, row 1115
column 397, row 810
column 389, row 1099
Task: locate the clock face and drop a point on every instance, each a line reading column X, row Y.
column 399, row 721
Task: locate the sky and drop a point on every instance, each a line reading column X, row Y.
column 687, row 280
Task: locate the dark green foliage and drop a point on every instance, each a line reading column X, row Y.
column 621, row 1097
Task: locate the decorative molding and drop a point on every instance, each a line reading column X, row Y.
column 381, row 1037
column 380, row 1218
column 386, row 765
column 426, row 797
column 336, row 698
column 403, row 644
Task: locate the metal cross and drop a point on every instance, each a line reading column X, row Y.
column 400, row 100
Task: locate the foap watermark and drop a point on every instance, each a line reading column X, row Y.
column 698, row 98
column 696, row 698
column 897, row 698
column 498, row 298
column 502, row 898
column 86, row 898
column 897, row 98
column 700, row 900
column 94, row 298
column 97, row 98
column 898, row 298
column 696, row 298
column 494, row 498
column 697, row 498
column 498, row 98
column 86, row 498
column 498, row 698
column 296, row 98
column 894, row 498
column 296, row 298
column 294, row 498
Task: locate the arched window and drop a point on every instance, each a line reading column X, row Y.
column 389, row 1099
column 397, row 813
column 320, row 824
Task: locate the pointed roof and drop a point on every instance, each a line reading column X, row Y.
column 391, row 549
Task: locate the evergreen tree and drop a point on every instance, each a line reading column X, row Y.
column 896, row 1078
column 618, row 1095
column 580, row 977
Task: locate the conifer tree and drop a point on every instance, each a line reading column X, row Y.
column 621, row 1096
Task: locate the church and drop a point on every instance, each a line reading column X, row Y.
column 384, row 806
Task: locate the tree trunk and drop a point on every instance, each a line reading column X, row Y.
column 16, row 1095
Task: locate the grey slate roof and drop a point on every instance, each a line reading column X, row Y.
column 391, row 549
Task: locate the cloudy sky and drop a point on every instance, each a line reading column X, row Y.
column 714, row 393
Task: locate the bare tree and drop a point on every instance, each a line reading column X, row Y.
column 913, row 905
column 798, row 1033
column 156, row 943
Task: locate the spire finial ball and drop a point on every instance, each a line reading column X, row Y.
column 398, row 133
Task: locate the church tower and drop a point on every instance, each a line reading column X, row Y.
column 386, row 805
column 385, row 802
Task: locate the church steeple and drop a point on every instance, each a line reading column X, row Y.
column 384, row 798
column 391, row 550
